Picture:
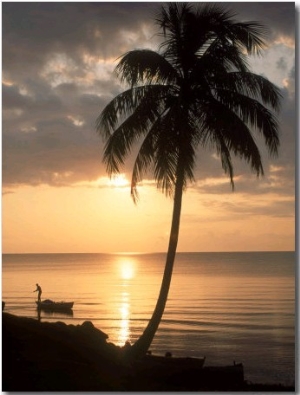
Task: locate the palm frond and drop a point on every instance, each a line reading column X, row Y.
column 254, row 114
column 119, row 143
column 226, row 162
column 174, row 147
column 166, row 156
column 143, row 161
column 252, row 85
column 220, row 58
column 221, row 129
column 248, row 35
column 126, row 103
column 146, row 67
column 109, row 118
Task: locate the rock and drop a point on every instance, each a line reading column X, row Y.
column 88, row 328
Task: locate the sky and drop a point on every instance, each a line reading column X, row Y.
column 58, row 63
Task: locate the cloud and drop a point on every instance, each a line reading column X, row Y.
column 58, row 61
column 278, row 17
column 39, row 34
column 281, row 64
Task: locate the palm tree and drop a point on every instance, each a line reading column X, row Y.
column 196, row 91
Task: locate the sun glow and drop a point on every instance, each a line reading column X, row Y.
column 118, row 181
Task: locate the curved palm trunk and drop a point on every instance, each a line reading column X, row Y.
column 141, row 346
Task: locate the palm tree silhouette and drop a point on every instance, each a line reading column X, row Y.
column 196, row 91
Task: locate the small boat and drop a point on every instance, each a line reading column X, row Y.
column 50, row 305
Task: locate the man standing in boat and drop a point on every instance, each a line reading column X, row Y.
column 39, row 290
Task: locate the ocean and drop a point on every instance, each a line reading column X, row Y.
column 225, row 306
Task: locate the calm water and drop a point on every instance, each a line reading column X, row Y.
column 225, row 306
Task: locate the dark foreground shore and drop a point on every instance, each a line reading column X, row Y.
column 41, row 356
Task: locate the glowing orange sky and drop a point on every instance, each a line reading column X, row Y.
column 89, row 219
column 56, row 195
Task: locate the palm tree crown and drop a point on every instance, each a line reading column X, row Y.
column 196, row 91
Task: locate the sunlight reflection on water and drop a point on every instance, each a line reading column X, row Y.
column 124, row 331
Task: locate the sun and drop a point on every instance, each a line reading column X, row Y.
column 118, row 181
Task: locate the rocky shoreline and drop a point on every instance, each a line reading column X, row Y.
column 42, row 356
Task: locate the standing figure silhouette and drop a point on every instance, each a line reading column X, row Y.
column 39, row 290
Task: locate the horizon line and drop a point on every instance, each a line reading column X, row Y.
column 143, row 253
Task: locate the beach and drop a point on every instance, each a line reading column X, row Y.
column 47, row 356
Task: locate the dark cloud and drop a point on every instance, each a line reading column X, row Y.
column 32, row 32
